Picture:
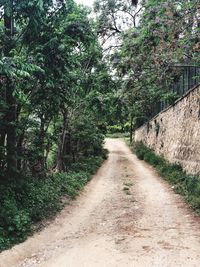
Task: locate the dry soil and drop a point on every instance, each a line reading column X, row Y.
column 126, row 216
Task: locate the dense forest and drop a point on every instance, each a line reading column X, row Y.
column 70, row 75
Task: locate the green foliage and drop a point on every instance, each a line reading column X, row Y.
column 87, row 136
column 165, row 35
column 55, row 76
column 54, row 92
column 125, row 136
column 124, row 128
column 29, row 200
column 184, row 184
column 114, row 129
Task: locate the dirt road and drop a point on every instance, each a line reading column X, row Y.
column 126, row 216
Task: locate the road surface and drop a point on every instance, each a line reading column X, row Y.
column 126, row 216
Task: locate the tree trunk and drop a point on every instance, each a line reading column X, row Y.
column 20, row 151
column 38, row 166
column 8, row 21
column 10, row 99
column 2, row 150
column 59, row 161
column 11, row 130
column 131, row 130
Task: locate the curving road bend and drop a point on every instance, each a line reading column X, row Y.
column 126, row 216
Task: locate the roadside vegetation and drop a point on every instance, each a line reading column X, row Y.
column 25, row 201
column 54, row 87
column 154, row 39
column 186, row 185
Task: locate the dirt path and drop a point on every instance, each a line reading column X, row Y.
column 126, row 216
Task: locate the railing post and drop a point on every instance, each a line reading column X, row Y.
column 189, row 78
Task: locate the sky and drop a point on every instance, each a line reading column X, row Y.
column 85, row 2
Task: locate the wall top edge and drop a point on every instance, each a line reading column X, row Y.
column 174, row 104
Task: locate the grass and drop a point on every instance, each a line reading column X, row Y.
column 117, row 135
column 126, row 188
column 128, row 184
column 186, row 185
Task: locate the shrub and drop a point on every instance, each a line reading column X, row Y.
column 184, row 184
column 140, row 150
column 114, row 129
column 27, row 200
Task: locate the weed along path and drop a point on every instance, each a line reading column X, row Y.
column 126, row 216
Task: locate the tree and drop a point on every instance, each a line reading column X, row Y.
column 48, row 66
column 166, row 36
column 113, row 18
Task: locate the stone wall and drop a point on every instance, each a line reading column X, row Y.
column 175, row 132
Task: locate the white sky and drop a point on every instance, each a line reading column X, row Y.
column 85, row 2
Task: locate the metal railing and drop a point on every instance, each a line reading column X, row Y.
column 189, row 76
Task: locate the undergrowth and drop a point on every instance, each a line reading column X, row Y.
column 118, row 135
column 26, row 200
column 184, row 184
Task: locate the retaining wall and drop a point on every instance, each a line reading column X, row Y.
column 175, row 132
